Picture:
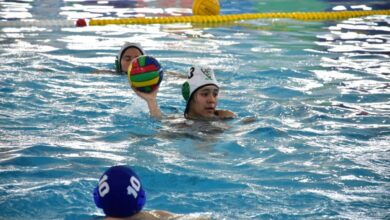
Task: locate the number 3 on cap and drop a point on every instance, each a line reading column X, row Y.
column 134, row 187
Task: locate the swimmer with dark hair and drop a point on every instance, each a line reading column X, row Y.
column 201, row 92
column 126, row 54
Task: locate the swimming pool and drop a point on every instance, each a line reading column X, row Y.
column 318, row 94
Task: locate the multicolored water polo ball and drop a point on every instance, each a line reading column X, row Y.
column 145, row 73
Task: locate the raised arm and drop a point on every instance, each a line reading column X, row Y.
column 151, row 100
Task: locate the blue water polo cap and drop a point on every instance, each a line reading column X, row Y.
column 119, row 192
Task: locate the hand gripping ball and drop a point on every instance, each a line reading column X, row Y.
column 145, row 73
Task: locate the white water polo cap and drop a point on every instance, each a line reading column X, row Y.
column 198, row 76
column 124, row 47
column 128, row 45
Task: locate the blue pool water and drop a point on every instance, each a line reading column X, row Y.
column 311, row 140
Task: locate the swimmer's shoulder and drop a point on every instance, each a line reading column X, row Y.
column 168, row 73
column 164, row 215
column 107, row 72
column 152, row 215
column 225, row 114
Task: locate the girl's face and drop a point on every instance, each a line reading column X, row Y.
column 204, row 102
column 128, row 56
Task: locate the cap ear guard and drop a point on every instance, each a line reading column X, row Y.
column 185, row 91
column 141, row 199
column 96, row 198
column 118, row 68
